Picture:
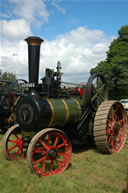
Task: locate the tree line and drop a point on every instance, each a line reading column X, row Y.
column 115, row 66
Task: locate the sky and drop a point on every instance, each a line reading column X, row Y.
column 77, row 33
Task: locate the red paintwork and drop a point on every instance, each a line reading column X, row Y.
column 115, row 140
column 41, row 163
column 77, row 90
column 15, row 146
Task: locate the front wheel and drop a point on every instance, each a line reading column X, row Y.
column 13, row 143
column 49, row 152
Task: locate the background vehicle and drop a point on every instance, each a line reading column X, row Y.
column 124, row 103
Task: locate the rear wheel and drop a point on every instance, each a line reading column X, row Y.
column 110, row 127
column 49, row 152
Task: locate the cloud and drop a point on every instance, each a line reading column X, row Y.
column 78, row 51
column 33, row 11
column 14, row 58
column 15, row 29
column 60, row 9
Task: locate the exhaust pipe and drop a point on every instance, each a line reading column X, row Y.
column 33, row 58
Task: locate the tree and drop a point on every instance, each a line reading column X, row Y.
column 115, row 67
column 7, row 76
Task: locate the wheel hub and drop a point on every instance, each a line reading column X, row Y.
column 52, row 154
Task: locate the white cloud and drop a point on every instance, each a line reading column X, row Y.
column 33, row 11
column 60, row 9
column 78, row 51
column 14, row 57
column 15, row 29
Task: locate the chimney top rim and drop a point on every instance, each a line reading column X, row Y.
column 34, row 40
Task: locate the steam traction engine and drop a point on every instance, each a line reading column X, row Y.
column 51, row 118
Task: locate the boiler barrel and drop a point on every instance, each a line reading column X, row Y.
column 37, row 113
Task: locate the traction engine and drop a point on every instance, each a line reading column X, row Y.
column 50, row 118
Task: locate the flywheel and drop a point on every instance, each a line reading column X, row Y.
column 110, row 127
column 96, row 91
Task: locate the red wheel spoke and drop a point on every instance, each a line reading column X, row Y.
column 109, row 121
column 12, row 148
column 61, row 145
column 51, row 165
column 39, row 160
column 12, row 141
column 38, row 150
column 58, row 162
column 119, row 137
column 56, row 140
column 113, row 145
column 61, row 153
column 44, row 145
column 121, row 121
column 17, row 152
column 108, row 131
column 16, row 135
column 110, row 138
column 43, row 166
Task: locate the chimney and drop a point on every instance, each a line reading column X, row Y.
column 33, row 58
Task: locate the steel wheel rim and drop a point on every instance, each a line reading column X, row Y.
column 59, row 146
column 110, row 127
column 13, row 144
column 116, row 128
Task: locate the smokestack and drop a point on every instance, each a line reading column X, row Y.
column 33, row 57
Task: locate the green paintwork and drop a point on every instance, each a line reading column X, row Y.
column 64, row 110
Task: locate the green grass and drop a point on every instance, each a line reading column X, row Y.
column 88, row 172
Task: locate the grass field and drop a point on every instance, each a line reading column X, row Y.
column 88, row 172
